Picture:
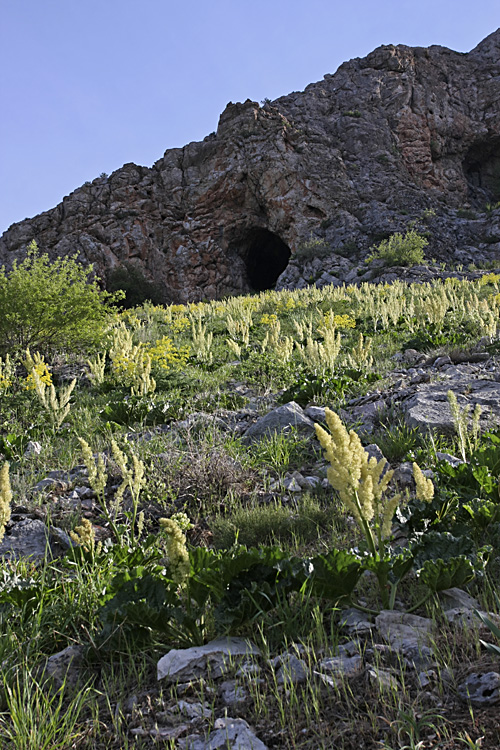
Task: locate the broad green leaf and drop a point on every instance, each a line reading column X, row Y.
column 443, row 545
column 335, row 575
column 440, row 574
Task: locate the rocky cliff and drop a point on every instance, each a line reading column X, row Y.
column 403, row 135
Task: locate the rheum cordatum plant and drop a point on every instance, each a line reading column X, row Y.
column 362, row 483
column 132, row 481
column 5, row 498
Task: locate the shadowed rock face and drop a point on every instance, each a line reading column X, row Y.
column 350, row 160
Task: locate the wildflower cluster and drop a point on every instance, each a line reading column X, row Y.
column 97, row 472
column 182, row 520
column 180, row 324
column 489, row 278
column 165, row 355
column 359, row 480
column 285, row 304
column 5, row 498
column 97, row 367
column 198, row 308
column 468, row 440
column 268, row 320
column 56, row 406
column 330, row 320
column 170, row 313
column 83, row 535
column 425, row 487
column 7, row 372
column 37, row 369
column 125, row 365
column 360, row 355
column 132, row 477
column 132, row 480
column 202, row 340
column 322, row 356
column 178, row 556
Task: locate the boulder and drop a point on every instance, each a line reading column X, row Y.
column 228, row 734
column 402, row 631
column 481, row 689
column 213, row 659
column 32, row 538
column 428, row 408
column 283, row 419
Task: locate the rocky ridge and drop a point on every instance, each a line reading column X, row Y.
column 403, row 135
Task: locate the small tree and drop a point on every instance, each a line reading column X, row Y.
column 401, row 251
column 47, row 305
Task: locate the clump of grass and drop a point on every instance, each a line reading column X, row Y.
column 397, row 440
column 35, row 717
column 299, row 523
column 280, row 451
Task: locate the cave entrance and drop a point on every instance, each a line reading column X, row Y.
column 266, row 257
column 482, row 171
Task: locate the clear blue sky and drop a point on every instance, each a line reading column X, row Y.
column 87, row 85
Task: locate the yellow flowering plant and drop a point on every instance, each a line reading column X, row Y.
column 7, row 373
column 438, row 560
column 178, row 556
column 36, row 366
column 362, row 483
column 5, row 498
column 84, row 534
column 165, row 355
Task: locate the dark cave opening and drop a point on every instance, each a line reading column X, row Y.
column 266, row 257
column 482, row 171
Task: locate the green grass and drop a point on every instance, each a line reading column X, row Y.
column 298, row 523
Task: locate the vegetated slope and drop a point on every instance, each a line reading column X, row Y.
column 404, row 134
column 178, row 406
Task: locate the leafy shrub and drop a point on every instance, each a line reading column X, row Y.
column 401, row 251
column 313, row 385
column 313, row 248
column 136, row 287
column 50, row 305
column 134, row 409
column 432, row 338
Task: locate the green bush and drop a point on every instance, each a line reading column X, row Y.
column 401, row 251
column 51, row 305
column 136, row 287
column 313, row 248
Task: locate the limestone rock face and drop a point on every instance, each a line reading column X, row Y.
column 404, row 134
